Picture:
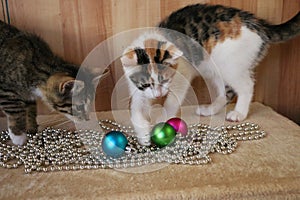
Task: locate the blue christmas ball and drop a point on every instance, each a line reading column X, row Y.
column 114, row 144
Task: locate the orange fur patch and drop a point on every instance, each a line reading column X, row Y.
column 174, row 66
column 130, row 54
column 150, row 48
column 230, row 30
column 172, row 49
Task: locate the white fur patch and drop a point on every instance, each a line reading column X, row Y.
column 128, row 62
column 17, row 139
column 237, row 54
column 235, row 59
column 37, row 92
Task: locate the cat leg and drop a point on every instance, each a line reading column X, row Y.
column 218, row 98
column 16, row 125
column 175, row 99
column 32, row 126
column 244, row 90
column 213, row 108
column 139, row 120
column 177, row 92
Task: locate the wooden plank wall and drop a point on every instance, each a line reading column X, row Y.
column 2, row 11
column 74, row 28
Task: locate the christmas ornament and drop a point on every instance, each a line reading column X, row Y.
column 162, row 134
column 114, row 144
column 179, row 125
column 58, row 149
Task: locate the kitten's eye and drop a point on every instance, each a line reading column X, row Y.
column 164, row 81
column 143, row 86
column 133, row 79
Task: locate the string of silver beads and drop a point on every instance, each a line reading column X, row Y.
column 59, row 149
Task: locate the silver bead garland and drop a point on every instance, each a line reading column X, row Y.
column 58, row 149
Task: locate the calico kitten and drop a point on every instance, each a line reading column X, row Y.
column 29, row 69
column 152, row 68
column 235, row 40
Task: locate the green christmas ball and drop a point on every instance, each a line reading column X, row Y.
column 162, row 134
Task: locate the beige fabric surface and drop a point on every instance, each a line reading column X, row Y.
column 264, row 169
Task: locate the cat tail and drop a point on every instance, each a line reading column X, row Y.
column 285, row 31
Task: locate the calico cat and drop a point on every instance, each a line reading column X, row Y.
column 29, row 69
column 235, row 40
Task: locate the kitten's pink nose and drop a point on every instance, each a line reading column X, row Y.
column 158, row 93
column 157, row 96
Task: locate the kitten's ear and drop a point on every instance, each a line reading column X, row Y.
column 174, row 53
column 97, row 78
column 71, row 87
column 129, row 58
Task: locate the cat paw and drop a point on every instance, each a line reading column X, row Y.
column 235, row 116
column 204, row 110
column 18, row 139
column 145, row 141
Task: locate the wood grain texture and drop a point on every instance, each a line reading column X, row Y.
column 74, row 28
column 267, row 73
column 40, row 17
column 131, row 14
column 85, row 25
column 2, row 12
column 289, row 88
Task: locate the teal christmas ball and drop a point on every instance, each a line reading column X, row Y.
column 114, row 144
column 162, row 134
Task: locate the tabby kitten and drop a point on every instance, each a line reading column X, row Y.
column 235, row 40
column 29, row 69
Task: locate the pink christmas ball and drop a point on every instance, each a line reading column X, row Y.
column 179, row 125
